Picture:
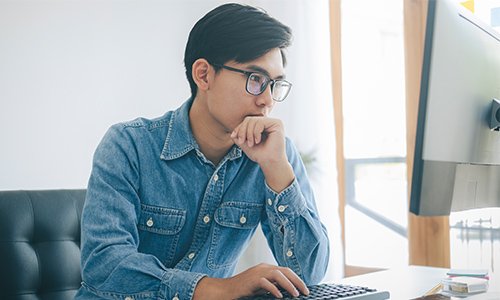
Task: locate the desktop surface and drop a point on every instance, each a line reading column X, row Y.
column 405, row 283
column 414, row 281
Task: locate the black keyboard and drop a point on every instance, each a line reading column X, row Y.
column 327, row 291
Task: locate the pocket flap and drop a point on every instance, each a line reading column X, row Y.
column 241, row 215
column 161, row 220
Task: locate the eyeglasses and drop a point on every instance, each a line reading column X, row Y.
column 258, row 82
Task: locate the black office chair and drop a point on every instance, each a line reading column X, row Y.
column 40, row 244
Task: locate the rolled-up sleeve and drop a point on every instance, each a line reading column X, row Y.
column 293, row 229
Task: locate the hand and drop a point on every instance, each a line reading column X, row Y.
column 256, row 280
column 263, row 141
column 261, row 138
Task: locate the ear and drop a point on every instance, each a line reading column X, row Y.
column 201, row 73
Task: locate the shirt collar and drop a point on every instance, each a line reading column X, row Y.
column 180, row 139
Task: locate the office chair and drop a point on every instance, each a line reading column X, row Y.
column 40, row 244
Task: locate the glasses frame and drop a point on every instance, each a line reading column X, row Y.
column 269, row 81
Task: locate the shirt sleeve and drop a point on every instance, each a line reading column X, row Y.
column 293, row 229
column 112, row 267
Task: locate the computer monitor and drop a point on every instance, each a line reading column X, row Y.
column 457, row 154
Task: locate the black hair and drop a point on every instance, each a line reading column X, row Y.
column 234, row 32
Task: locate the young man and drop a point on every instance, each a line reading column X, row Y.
column 172, row 202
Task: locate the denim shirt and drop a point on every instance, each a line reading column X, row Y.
column 159, row 216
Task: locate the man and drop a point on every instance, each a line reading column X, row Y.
column 172, row 202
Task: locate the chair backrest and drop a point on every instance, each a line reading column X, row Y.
column 40, row 244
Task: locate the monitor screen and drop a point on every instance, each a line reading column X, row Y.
column 457, row 153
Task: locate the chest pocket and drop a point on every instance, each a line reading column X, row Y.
column 159, row 229
column 235, row 223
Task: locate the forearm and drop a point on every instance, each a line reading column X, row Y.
column 255, row 280
column 298, row 238
column 112, row 264
column 306, row 248
column 212, row 288
column 278, row 175
column 301, row 249
column 113, row 270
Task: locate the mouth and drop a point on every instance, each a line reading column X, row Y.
column 256, row 115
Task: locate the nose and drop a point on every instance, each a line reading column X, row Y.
column 266, row 98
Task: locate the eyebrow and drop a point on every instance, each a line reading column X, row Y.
column 264, row 71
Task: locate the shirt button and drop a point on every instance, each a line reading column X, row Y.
column 216, row 177
column 206, row 219
column 129, row 298
column 281, row 208
column 289, row 253
column 269, row 201
column 191, row 255
column 150, row 222
column 243, row 220
column 175, row 298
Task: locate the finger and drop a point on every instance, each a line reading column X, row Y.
column 284, row 282
column 242, row 131
column 258, row 131
column 267, row 285
column 236, row 134
column 250, row 131
column 235, row 131
column 295, row 280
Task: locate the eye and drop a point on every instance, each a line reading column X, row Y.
column 256, row 77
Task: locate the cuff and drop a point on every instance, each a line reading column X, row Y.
column 289, row 203
column 179, row 284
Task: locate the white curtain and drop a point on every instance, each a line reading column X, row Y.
column 70, row 69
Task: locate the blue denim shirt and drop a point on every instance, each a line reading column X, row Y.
column 159, row 215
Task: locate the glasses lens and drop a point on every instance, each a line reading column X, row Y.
column 280, row 90
column 256, row 83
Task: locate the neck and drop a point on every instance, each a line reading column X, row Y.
column 212, row 138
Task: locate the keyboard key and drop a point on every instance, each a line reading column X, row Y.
column 328, row 291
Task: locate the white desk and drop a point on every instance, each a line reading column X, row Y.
column 414, row 281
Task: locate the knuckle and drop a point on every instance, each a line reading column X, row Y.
column 260, row 281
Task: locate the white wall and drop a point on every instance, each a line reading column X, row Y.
column 70, row 69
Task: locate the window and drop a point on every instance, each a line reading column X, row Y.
column 373, row 94
column 374, row 140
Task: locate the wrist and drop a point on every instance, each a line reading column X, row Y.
column 278, row 175
column 210, row 288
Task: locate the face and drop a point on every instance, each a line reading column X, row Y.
column 228, row 101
